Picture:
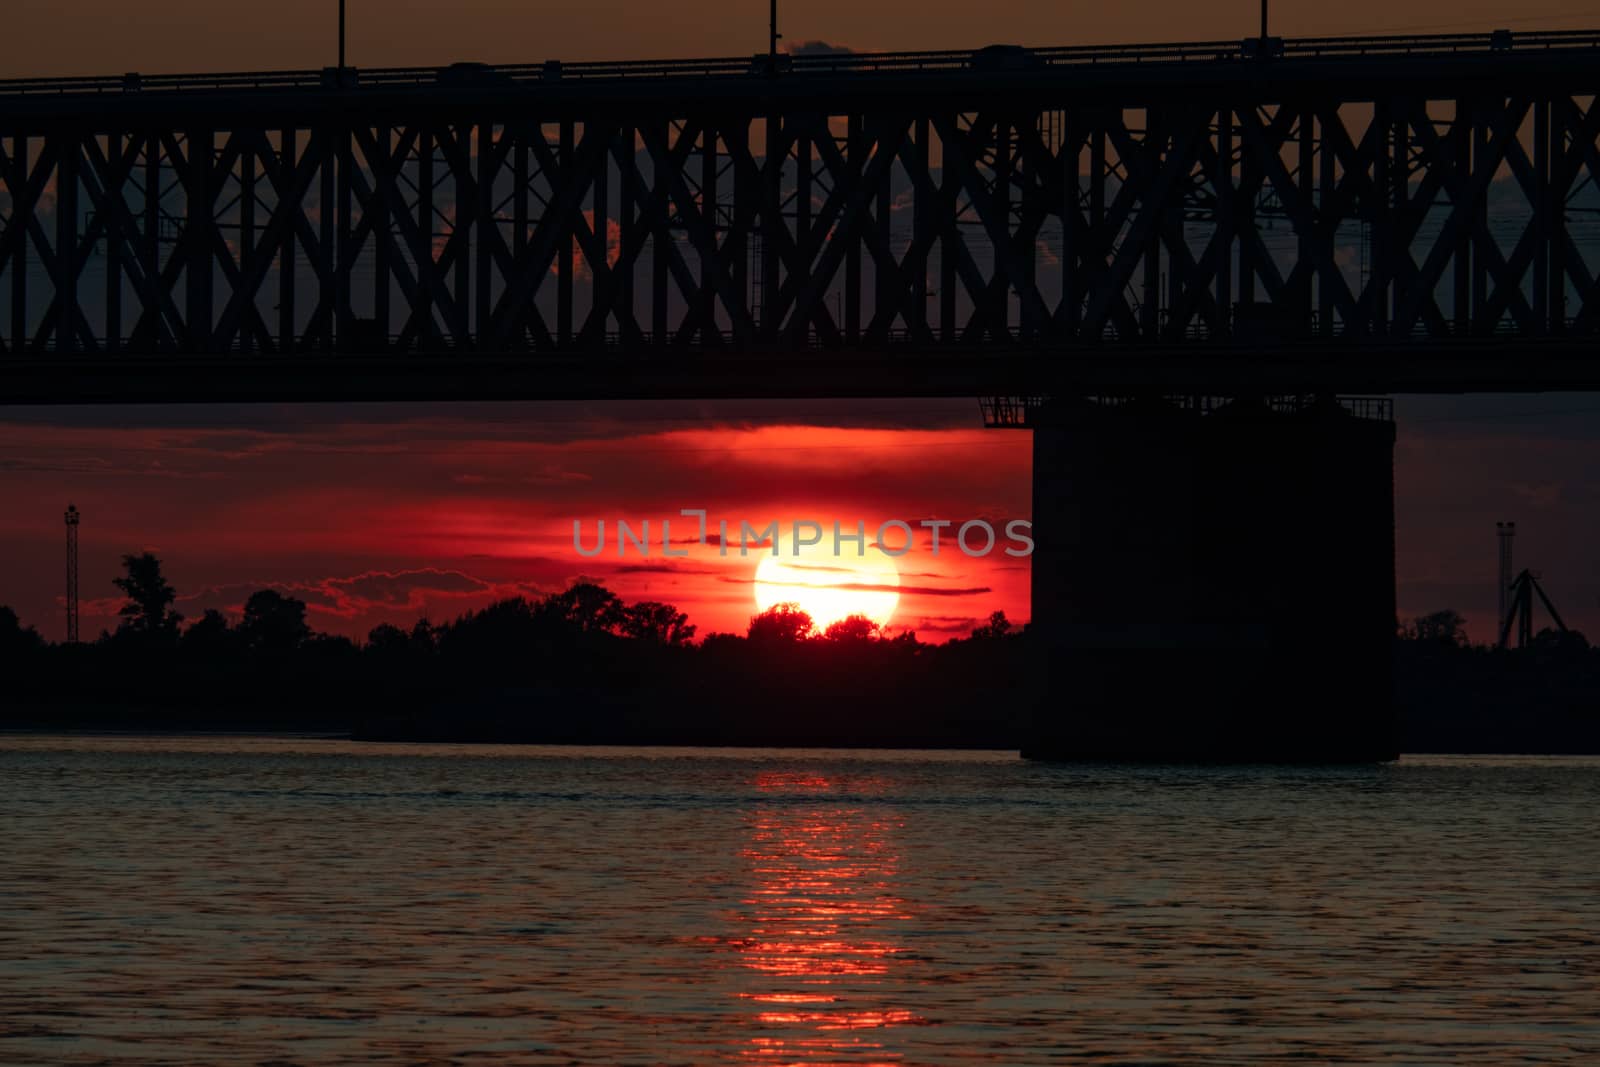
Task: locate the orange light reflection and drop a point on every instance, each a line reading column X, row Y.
column 820, row 919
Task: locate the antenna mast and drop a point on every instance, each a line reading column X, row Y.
column 72, row 574
column 1507, row 532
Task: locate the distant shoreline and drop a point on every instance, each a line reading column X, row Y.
column 90, row 731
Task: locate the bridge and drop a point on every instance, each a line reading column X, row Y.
column 1268, row 216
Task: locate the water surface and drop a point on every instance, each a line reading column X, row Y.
column 270, row 900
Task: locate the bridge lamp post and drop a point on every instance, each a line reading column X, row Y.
column 773, row 36
column 341, row 33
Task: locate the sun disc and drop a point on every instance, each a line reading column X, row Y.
column 830, row 587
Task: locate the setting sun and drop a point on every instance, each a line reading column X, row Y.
column 829, row 587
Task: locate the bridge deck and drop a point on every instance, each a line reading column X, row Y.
column 1505, row 365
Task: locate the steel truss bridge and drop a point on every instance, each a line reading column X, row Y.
column 1352, row 214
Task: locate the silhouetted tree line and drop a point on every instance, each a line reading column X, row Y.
column 1456, row 696
column 581, row 665
column 576, row 665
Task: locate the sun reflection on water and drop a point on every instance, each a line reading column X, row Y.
column 819, row 925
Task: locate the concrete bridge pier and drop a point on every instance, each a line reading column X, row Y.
column 1214, row 580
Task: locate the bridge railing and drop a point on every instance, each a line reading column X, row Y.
column 1441, row 44
column 982, row 60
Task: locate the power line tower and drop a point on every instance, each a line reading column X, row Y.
column 72, row 575
column 1523, row 590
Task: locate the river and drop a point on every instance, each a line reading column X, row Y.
column 272, row 900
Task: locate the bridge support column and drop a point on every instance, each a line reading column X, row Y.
column 1213, row 581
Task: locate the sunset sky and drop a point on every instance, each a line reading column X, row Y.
column 384, row 513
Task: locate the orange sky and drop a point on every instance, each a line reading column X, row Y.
column 46, row 37
column 383, row 514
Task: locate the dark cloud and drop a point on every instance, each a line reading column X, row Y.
column 247, row 429
column 869, row 587
column 944, row 624
column 914, row 590
column 399, row 587
column 664, row 568
column 96, row 465
column 715, row 541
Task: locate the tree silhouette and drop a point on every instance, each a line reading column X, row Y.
column 388, row 639
column 497, row 636
column 587, row 607
column 1560, row 642
column 150, row 597
column 210, row 635
column 781, row 623
column 424, row 637
column 274, row 622
column 663, row 624
column 997, row 626
column 853, row 629
column 1445, row 627
column 15, row 639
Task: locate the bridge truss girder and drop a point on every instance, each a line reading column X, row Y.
column 508, row 224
